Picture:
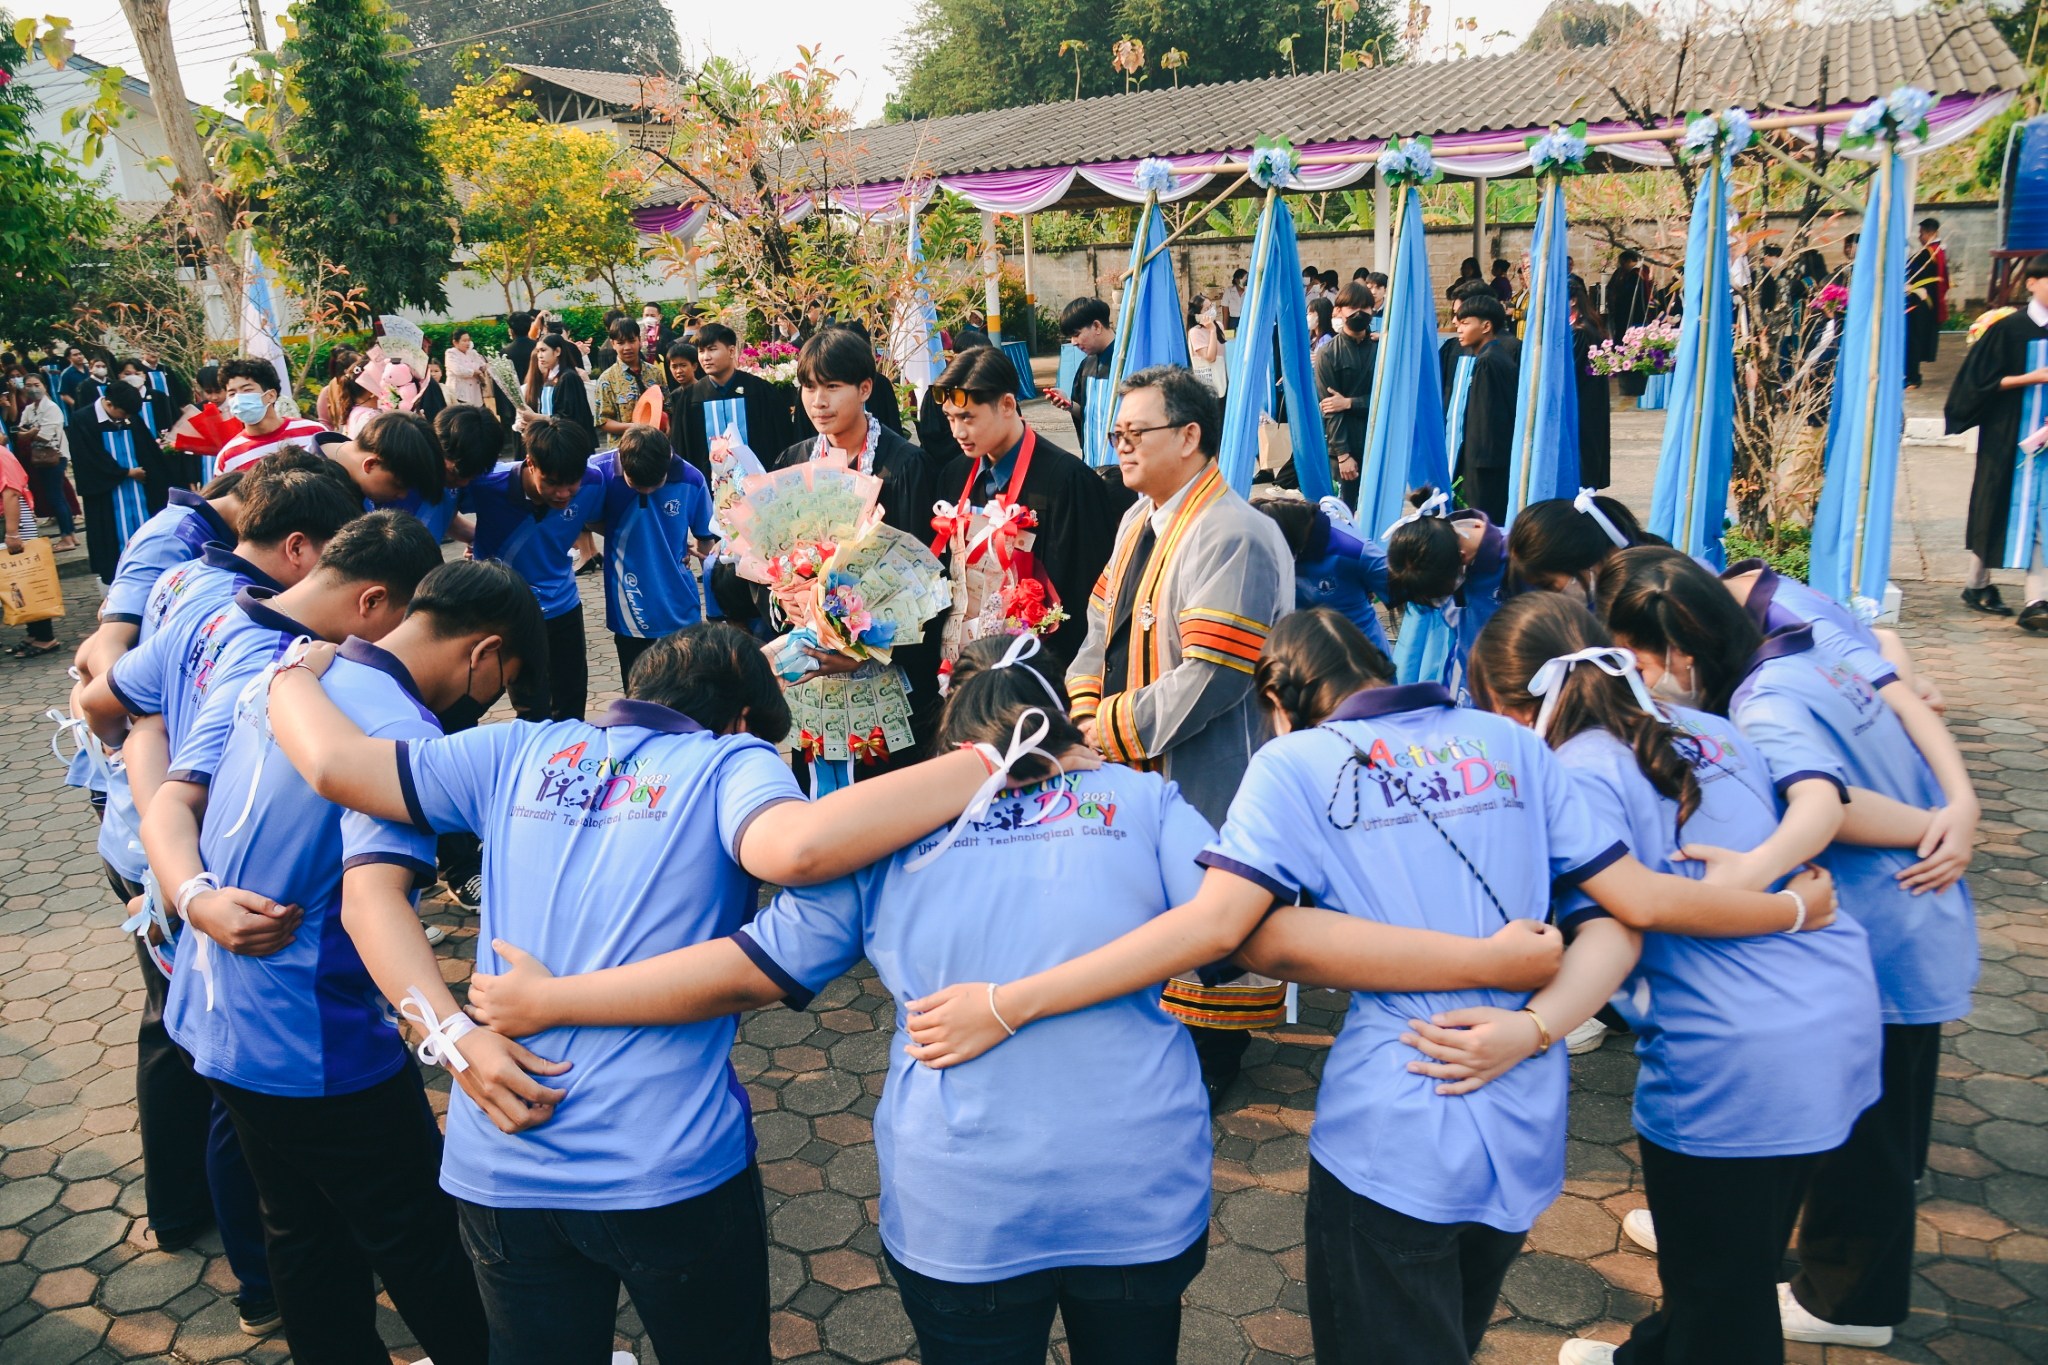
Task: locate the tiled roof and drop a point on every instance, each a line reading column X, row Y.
column 618, row 88
column 1957, row 53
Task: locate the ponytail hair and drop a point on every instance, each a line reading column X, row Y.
column 1424, row 557
column 1657, row 600
column 1553, row 539
column 1529, row 631
column 1312, row 661
column 984, row 703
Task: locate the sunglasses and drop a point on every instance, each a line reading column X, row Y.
column 960, row 399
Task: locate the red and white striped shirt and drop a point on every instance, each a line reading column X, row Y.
column 247, row 448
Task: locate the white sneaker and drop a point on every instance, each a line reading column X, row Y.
column 1584, row 1351
column 1641, row 1229
column 435, row 932
column 624, row 1358
column 1800, row 1325
column 1586, row 1037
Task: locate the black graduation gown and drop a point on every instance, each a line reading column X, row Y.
column 935, row 433
column 1481, row 462
column 572, row 402
column 1628, row 305
column 1077, row 513
column 520, row 351
column 1092, row 367
column 1344, row 364
column 175, row 387
column 682, row 412
column 1976, row 400
column 767, row 417
column 1596, row 446
column 96, row 475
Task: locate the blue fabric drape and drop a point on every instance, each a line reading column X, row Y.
column 1273, row 303
column 1404, row 438
column 1545, row 461
column 1689, row 507
column 1151, row 328
column 1852, row 528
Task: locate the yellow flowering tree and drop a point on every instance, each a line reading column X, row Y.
column 543, row 205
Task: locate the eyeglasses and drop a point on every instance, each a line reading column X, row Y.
column 1119, row 437
column 961, row 399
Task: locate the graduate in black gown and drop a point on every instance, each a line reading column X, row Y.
column 724, row 394
column 1988, row 394
column 1077, row 510
column 1596, row 443
column 1343, row 368
column 1487, row 428
column 123, row 476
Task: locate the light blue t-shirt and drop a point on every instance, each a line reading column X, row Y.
column 533, row 541
column 195, row 655
column 1344, row 571
column 1814, row 715
column 1751, row 1047
column 186, row 526
column 1084, row 1140
column 203, row 584
column 435, row 516
column 307, row 1020
column 649, row 590
column 605, row 842
column 1310, row 816
column 1776, row 601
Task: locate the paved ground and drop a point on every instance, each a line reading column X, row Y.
column 80, row 1280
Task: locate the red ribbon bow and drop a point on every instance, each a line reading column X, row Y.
column 1006, row 522
column 948, row 517
column 871, row 749
column 811, row 746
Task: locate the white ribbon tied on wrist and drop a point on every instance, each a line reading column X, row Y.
column 202, row 962
column 977, row 808
column 84, row 741
column 438, row 1047
column 152, row 912
column 1584, row 503
column 1549, row 680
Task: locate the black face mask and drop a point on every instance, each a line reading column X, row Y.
column 466, row 711
column 1355, row 322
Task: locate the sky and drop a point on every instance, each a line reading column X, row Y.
column 212, row 34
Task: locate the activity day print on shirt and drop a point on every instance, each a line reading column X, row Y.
column 609, row 789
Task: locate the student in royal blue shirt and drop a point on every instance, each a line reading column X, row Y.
column 1757, row 1053
column 528, row 515
column 1397, row 811
column 1447, row 571
column 467, row 440
column 300, row 1044
column 1335, row 566
column 654, row 503
column 1812, row 714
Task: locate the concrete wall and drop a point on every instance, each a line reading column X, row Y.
column 1969, row 230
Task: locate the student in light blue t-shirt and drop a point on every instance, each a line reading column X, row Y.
column 1757, row 1052
column 301, row 1044
column 528, row 515
column 655, row 503
column 1812, row 715
column 1446, row 569
column 653, row 822
column 1336, row 565
column 998, row 1209
column 1399, row 812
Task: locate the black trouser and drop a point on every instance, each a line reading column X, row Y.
column 697, row 1271
column 568, row 668
column 1221, row 1053
column 1486, row 489
column 1722, row 1225
column 43, row 631
column 192, row 1165
column 351, row 1190
column 1114, row 1314
column 1388, row 1289
column 1856, row 1235
column 630, row 648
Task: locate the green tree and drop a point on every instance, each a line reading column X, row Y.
column 52, row 218
column 633, row 36
column 963, row 55
column 358, row 187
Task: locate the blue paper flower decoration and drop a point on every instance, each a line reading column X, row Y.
column 1155, row 175
column 1730, row 130
column 1409, row 163
column 1903, row 114
column 1561, row 152
column 1272, row 165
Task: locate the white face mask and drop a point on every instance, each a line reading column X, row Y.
column 137, row 380
column 99, row 372
column 1667, row 687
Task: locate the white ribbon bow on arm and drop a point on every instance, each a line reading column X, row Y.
column 254, row 703
column 438, row 1047
column 1437, row 504
column 79, row 732
column 1549, row 680
column 152, row 912
column 1020, row 745
column 1584, row 503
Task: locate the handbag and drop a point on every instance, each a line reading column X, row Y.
column 29, row 590
column 42, row 454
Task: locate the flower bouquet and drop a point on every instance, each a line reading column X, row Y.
column 1649, row 349
column 507, row 378
column 774, row 361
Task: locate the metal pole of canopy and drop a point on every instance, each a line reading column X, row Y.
column 1382, row 225
column 1479, row 252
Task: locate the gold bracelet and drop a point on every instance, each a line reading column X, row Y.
column 1542, row 1031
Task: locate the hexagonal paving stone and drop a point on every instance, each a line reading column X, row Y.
column 57, row 1338
column 869, row 1326
column 1237, row 1281
column 814, row 1222
column 1554, row 1290
column 820, row 1092
column 151, row 1280
column 1265, row 1219
column 20, row 1199
column 77, row 1239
